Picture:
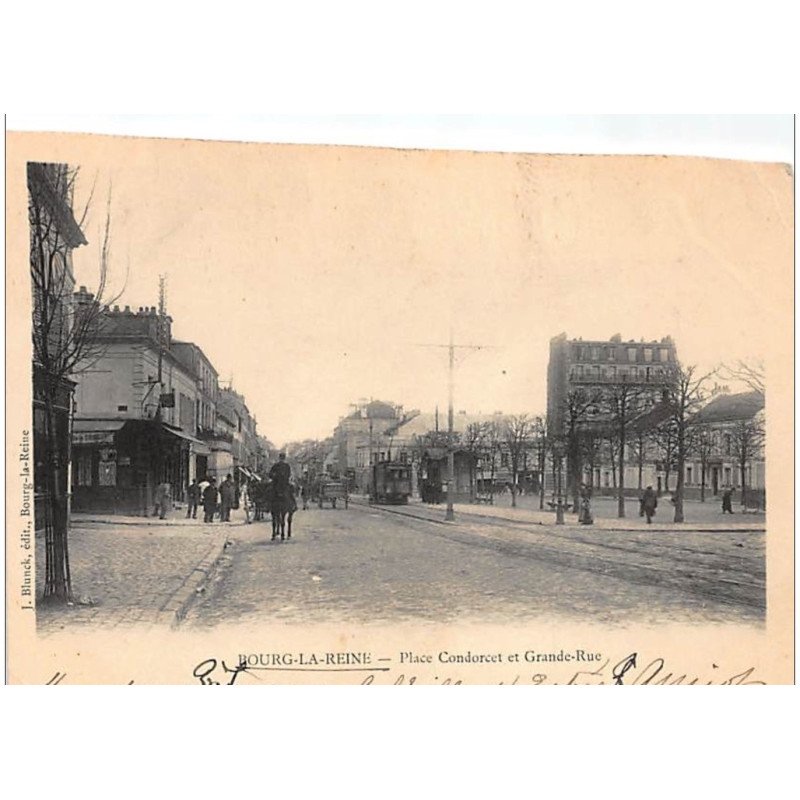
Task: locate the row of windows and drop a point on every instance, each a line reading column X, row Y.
column 727, row 476
column 583, row 352
column 612, row 373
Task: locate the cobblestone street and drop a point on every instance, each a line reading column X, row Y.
column 127, row 571
column 375, row 565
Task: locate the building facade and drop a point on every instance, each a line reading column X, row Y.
column 728, row 443
column 136, row 416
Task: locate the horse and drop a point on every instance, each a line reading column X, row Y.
column 282, row 507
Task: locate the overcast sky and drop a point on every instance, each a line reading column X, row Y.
column 314, row 276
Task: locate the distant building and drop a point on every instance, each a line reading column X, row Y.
column 596, row 365
column 360, row 429
column 238, row 423
column 735, row 427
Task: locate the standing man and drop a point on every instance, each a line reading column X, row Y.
column 726, row 501
column 244, row 501
column 210, row 498
column 649, row 503
column 227, row 498
column 192, row 499
column 163, row 499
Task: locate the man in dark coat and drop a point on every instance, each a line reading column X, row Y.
column 649, row 503
column 227, row 498
column 726, row 501
column 210, row 499
column 192, row 499
column 280, row 474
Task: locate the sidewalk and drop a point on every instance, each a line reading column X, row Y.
column 129, row 571
column 528, row 516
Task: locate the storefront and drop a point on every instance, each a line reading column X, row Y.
column 117, row 464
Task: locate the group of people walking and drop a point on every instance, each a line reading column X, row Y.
column 214, row 499
column 217, row 500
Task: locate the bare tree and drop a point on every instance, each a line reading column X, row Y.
column 687, row 391
column 540, row 445
column 639, row 447
column 493, row 444
column 622, row 404
column 474, row 443
column 750, row 373
column 65, row 340
column 578, row 404
column 747, row 439
column 591, row 445
column 516, row 435
column 701, row 446
column 665, row 441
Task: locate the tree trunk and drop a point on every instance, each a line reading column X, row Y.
column 57, row 585
column 679, row 488
column 742, row 474
column 513, row 485
column 542, row 465
column 621, row 491
column 702, row 481
column 640, row 460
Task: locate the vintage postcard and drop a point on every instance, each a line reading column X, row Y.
column 347, row 415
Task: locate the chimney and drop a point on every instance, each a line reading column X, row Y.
column 82, row 297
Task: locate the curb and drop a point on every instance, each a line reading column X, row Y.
column 176, row 608
column 533, row 525
column 145, row 522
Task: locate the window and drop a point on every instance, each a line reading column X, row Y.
column 612, row 373
column 611, row 354
column 503, row 459
column 122, row 408
column 631, row 355
column 83, row 468
column 663, row 355
column 578, row 373
column 648, row 354
column 688, row 474
column 107, row 473
column 727, row 476
column 595, row 353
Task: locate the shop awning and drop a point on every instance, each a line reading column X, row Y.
column 95, row 431
column 198, row 446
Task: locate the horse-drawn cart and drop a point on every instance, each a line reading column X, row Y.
column 331, row 491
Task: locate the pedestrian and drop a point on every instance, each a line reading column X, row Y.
column 227, row 492
column 585, row 515
column 163, row 500
column 244, row 501
column 192, row 499
column 649, row 503
column 210, row 498
column 727, row 496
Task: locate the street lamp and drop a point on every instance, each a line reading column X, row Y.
column 558, row 453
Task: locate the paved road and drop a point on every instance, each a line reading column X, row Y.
column 366, row 565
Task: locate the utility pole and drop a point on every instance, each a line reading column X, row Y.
column 451, row 466
column 451, row 348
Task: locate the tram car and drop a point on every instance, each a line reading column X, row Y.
column 391, row 482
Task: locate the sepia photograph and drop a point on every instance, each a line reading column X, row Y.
column 320, row 413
